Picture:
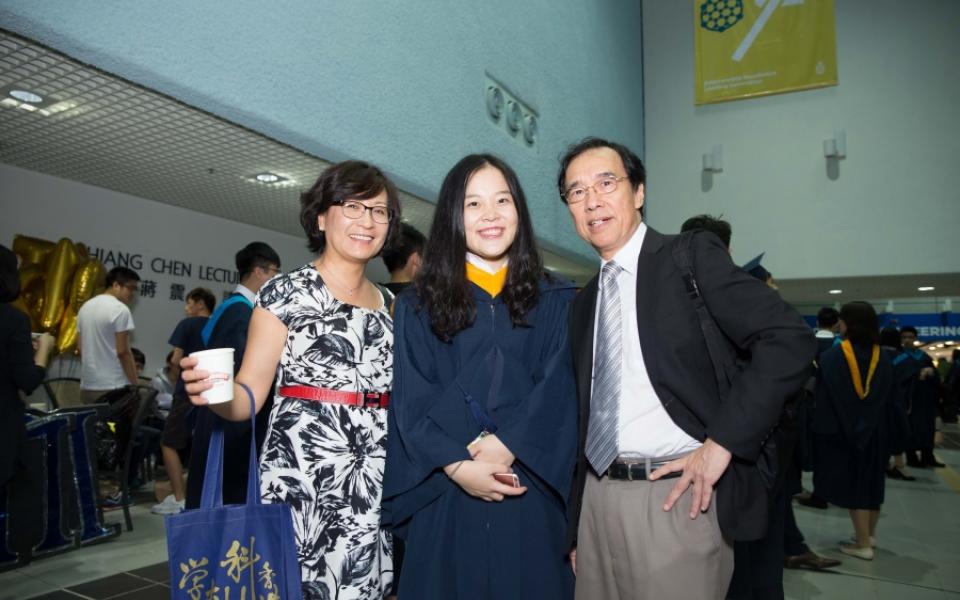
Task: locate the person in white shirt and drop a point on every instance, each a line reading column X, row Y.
column 104, row 325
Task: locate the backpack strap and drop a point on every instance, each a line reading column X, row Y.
column 718, row 347
column 207, row 330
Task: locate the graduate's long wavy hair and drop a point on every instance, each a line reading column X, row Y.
column 442, row 282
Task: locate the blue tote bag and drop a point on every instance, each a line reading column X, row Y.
column 242, row 552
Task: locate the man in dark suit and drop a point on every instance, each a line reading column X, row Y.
column 653, row 426
column 227, row 327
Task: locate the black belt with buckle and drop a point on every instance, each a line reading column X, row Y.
column 635, row 472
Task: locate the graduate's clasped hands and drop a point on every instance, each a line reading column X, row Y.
column 489, row 456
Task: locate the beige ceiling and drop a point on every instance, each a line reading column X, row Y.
column 108, row 132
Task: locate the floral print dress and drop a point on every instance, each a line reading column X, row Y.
column 326, row 460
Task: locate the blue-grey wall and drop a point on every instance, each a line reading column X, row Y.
column 397, row 83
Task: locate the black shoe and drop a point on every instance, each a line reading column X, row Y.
column 813, row 502
column 810, row 560
column 929, row 460
column 897, row 473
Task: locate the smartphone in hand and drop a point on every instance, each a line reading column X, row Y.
column 510, row 479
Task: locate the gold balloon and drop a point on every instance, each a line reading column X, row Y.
column 31, row 251
column 60, row 268
column 88, row 279
column 67, row 338
column 31, row 292
column 83, row 253
column 55, row 280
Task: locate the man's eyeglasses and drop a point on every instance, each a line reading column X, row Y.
column 355, row 210
column 604, row 186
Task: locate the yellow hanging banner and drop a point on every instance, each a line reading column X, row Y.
column 747, row 48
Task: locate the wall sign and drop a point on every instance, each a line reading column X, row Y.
column 746, row 48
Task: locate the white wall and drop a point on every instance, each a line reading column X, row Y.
column 894, row 208
column 50, row 208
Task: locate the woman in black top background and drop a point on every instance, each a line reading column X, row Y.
column 22, row 366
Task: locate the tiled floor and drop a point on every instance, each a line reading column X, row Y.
column 918, row 552
column 918, row 543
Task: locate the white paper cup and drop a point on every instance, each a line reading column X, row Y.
column 218, row 362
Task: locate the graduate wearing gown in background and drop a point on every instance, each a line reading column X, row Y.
column 854, row 392
column 921, row 384
column 469, row 536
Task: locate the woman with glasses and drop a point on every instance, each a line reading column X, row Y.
column 324, row 331
column 483, row 415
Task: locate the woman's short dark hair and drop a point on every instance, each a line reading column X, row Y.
column 442, row 281
column 9, row 276
column 636, row 173
column 863, row 327
column 348, row 180
column 202, row 294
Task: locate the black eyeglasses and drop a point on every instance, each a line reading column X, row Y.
column 355, row 210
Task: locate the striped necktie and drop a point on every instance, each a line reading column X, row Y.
column 603, row 431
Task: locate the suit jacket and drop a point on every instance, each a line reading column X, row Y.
column 753, row 317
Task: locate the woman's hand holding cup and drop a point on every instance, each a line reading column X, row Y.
column 195, row 380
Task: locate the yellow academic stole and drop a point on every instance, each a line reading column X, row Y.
column 491, row 283
column 855, row 369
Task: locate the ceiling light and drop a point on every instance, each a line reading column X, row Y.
column 25, row 96
column 835, row 292
column 58, row 107
column 269, row 178
column 926, row 288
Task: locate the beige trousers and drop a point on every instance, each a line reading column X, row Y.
column 630, row 549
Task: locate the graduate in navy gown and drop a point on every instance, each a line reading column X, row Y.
column 920, row 382
column 483, row 385
column 854, row 391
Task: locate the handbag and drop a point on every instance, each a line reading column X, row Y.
column 235, row 551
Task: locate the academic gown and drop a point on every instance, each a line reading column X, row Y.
column 899, row 438
column 460, row 547
column 851, row 446
column 923, row 397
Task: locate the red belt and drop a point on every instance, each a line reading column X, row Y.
column 365, row 399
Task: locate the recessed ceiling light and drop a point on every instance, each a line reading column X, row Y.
column 268, row 177
column 926, row 288
column 25, row 96
column 835, row 292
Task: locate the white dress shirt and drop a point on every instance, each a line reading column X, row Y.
column 245, row 292
column 646, row 430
